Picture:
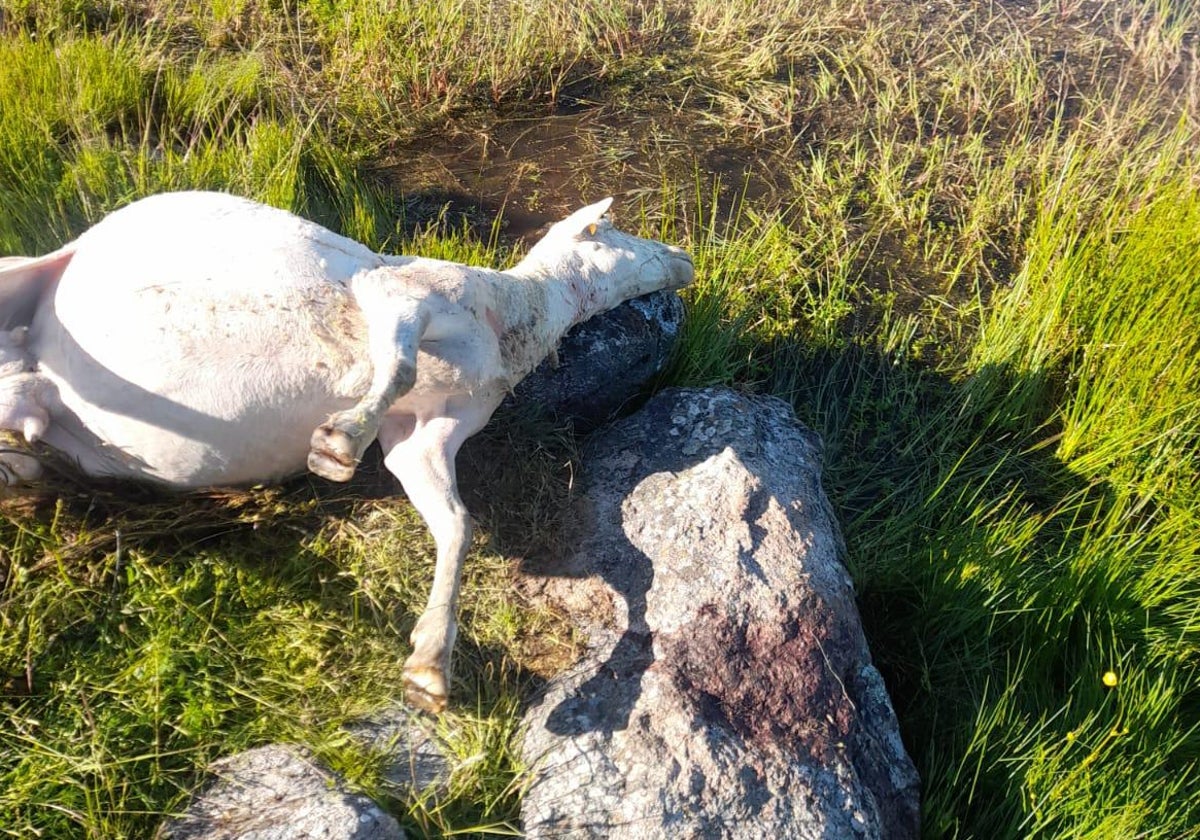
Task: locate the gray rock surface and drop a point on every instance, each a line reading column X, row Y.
column 727, row 690
column 278, row 792
column 415, row 760
column 606, row 361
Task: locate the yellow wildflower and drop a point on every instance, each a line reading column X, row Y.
column 1109, row 679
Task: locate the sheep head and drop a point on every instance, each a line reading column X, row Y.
column 603, row 266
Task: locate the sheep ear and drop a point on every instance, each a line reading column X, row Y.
column 586, row 219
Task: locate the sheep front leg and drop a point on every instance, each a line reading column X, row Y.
column 421, row 454
column 395, row 324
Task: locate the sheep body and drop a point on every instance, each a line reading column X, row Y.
column 198, row 339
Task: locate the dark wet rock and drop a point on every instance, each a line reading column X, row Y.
column 278, row 792
column 727, row 689
column 605, row 361
column 414, row 759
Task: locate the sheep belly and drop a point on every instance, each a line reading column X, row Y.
column 196, row 385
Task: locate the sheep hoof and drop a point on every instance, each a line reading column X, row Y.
column 332, row 453
column 425, row 689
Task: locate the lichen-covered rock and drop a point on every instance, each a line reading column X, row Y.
column 278, row 792
column 727, row 690
column 604, row 362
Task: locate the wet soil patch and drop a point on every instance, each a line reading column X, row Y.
column 533, row 170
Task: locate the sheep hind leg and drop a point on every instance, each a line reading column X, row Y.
column 421, row 454
column 395, row 324
column 17, row 467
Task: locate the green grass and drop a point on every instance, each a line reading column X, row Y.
column 962, row 239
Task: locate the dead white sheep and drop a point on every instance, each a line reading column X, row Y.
column 199, row 339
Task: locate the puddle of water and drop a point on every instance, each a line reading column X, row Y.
column 536, row 170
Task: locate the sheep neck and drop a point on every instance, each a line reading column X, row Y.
column 539, row 303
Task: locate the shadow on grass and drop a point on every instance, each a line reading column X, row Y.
column 265, row 576
column 987, row 605
column 987, row 574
